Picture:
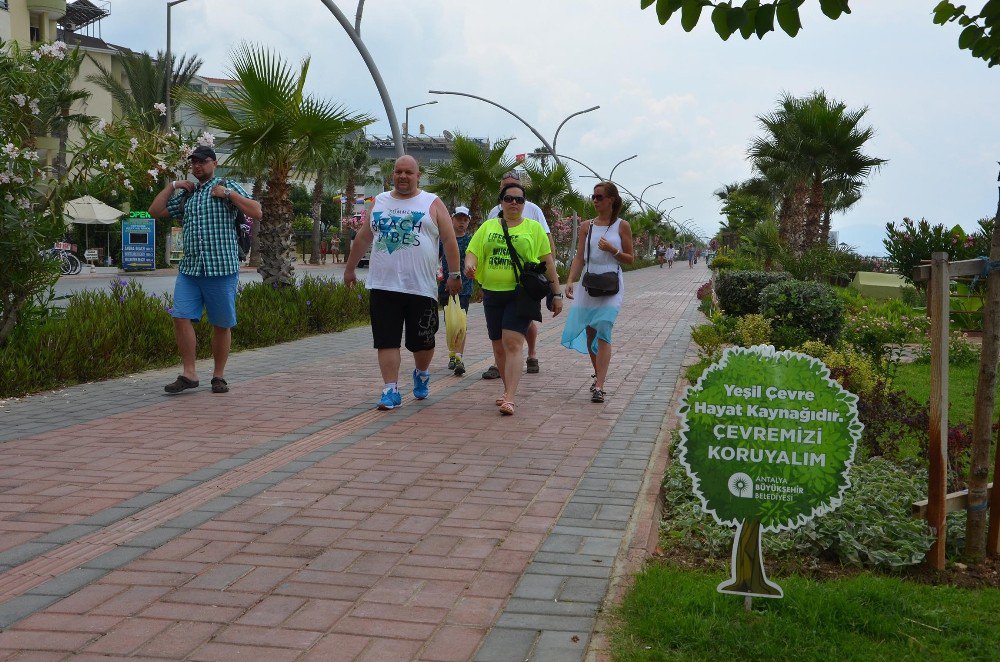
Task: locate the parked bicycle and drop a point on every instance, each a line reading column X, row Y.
column 69, row 264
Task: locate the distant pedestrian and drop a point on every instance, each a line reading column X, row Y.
column 670, row 255
column 661, row 254
column 335, row 249
column 403, row 232
column 489, row 261
column 323, row 247
column 690, row 256
column 605, row 244
column 460, row 221
column 210, row 269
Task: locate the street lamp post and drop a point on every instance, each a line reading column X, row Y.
column 354, row 32
column 170, row 64
column 660, row 203
column 611, row 177
column 406, row 122
column 643, row 194
column 555, row 138
column 672, row 211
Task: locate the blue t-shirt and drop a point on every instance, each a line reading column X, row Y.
column 463, row 244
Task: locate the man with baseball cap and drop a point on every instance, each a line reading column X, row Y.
column 210, row 268
column 460, row 221
column 534, row 212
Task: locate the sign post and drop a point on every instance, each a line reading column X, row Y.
column 139, row 242
column 768, row 439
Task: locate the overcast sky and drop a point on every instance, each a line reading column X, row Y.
column 685, row 102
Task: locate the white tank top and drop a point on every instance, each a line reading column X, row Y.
column 404, row 254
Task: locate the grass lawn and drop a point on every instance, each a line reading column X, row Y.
column 678, row 615
column 915, row 379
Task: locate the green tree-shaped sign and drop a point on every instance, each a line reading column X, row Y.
column 768, row 439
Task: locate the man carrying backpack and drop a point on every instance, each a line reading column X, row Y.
column 210, row 269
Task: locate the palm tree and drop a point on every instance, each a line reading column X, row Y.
column 269, row 119
column 813, row 142
column 548, row 186
column 145, row 83
column 473, row 174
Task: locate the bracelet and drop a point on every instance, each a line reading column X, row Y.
column 228, row 193
column 617, row 253
column 173, row 185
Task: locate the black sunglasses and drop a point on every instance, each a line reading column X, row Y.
column 516, row 199
column 597, row 197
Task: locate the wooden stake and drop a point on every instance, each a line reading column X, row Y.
column 937, row 447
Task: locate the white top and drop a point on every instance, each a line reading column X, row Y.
column 600, row 262
column 531, row 210
column 671, row 253
column 404, row 254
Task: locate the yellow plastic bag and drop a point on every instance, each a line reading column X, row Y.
column 455, row 322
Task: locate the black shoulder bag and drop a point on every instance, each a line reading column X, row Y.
column 532, row 283
column 603, row 284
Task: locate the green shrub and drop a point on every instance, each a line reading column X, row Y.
column 872, row 528
column 813, row 307
column 850, row 368
column 739, row 291
column 825, row 264
column 877, row 328
column 709, row 342
column 122, row 330
column 961, row 350
column 752, row 330
column 788, row 337
column 722, row 262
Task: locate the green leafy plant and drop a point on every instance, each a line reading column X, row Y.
column 854, row 371
column 739, row 291
column 784, row 336
column 722, row 262
column 708, row 339
column 813, row 307
column 961, row 350
column 824, row 263
column 911, row 242
column 752, row 330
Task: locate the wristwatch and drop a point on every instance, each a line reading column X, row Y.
column 557, row 296
column 228, row 193
column 454, row 274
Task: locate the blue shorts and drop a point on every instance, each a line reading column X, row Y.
column 216, row 294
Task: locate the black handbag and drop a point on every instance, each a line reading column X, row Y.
column 530, row 276
column 599, row 285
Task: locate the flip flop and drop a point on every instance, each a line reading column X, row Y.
column 219, row 385
column 182, row 383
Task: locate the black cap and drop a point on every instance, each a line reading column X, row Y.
column 203, row 152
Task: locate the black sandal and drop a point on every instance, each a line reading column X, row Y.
column 182, row 383
column 219, row 385
column 492, row 373
column 597, row 396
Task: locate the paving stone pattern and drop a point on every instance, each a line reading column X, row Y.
column 290, row 520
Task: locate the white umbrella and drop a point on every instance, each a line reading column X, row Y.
column 90, row 211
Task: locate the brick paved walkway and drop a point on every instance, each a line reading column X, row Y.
column 291, row 520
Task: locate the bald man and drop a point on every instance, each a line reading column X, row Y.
column 403, row 232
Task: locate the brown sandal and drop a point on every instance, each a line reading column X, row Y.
column 219, row 385
column 182, row 383
column 502, row 399
column 507, row 408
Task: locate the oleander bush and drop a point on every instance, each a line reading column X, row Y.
column 813, row 307
column 122, row 330
column 739, row 291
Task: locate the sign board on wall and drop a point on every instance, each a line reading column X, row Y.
column 138, row 242
column 768, row 439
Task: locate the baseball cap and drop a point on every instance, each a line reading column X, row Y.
column 461, row 210
column 511, row 174
column 203, row 152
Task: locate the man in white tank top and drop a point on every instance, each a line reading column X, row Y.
column 534, row 212
column 403, row 233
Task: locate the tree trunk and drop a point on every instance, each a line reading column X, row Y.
column 814, row 213
column 258, row 188
column 276, row 266
column 749, row 577
column 982, row 420
column 785, row 230
column 824, row 233
column 62, row 133
column 350, row 192
column 317, row 213
column 797, row 217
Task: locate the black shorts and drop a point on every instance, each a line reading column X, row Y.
column 390, row 311
column 501, row 314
